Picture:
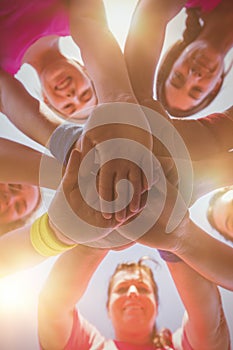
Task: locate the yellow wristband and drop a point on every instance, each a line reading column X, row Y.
column 44, row 240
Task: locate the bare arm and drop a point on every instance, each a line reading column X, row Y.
column 101, row 53
column 30, row 116
column 145, row 40
column 207, row 136
column 106, row 65
column 22, row 164
column 204, row 321
column 68, row 280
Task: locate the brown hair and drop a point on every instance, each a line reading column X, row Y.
column 13, row 225
column 216, row 196
column 191, row 32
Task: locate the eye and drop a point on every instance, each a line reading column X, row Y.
column 143, row 289
column 14, row 188
column 86, row 95
column 197, row 89
column 121, row 290
column 177, row 79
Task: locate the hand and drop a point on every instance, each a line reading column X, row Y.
column 75, row 216
column 117, row 135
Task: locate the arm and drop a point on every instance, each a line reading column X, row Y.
column 205, row 254
column 30, row 116
column 101, row 54
column 212, row 173
column 33, row 167
column 106, row 66
column 68, row 280
column 207, row 136
column 204, row 321
column 145, row 40
column 204, row 137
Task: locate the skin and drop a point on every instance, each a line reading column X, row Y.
column 194, row 75
column 145, row 41
column 132, row 306
column 223, row 213
column 67, row 88
column 17, row 201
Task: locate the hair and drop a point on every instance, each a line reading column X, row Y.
column 164, row 337
column 13, row 225
column 216, row 196
column 191, row 32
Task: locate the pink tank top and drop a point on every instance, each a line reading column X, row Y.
column 204, row 5
column 23, row 22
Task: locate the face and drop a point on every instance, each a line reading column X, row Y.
column 17, row 201
column 132, row 303
column 67, row 88
column 194, row 75
column 223, row 213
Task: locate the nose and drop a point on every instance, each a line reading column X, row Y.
column 196, row 72
column 132, row 291
column 70, row 93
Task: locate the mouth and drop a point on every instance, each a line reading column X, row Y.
column 63, row 83
column 132, row 307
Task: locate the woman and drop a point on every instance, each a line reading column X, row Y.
column 220, row 212
column 132, row 307
column 103, row 60
column 65, row 84
column 192, row 71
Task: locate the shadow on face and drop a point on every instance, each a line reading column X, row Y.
column 68, row 90
column 186, row 81
column 18, row 202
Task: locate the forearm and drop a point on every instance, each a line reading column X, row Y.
column 204, row 324
column 30, row 116
column 212, row 173
column 101, row 54
column 145, row 41
column 68, row 280
column 33, row 167
column 17, row 252
column 206, row 136
column 205, row 254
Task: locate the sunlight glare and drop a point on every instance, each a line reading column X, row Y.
column 119, row 14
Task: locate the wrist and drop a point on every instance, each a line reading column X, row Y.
column 44, row 240
column 59, row 235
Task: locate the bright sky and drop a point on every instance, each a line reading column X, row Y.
column 18, row 293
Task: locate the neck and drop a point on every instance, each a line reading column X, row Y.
column 42, row 52
column 137, row 338
column 218, row 32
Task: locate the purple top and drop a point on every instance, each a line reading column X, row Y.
column 23, row 22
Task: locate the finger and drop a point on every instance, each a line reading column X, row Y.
column 106, row 190
column 121, row 196
column 147, row 168
column 135, row 177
